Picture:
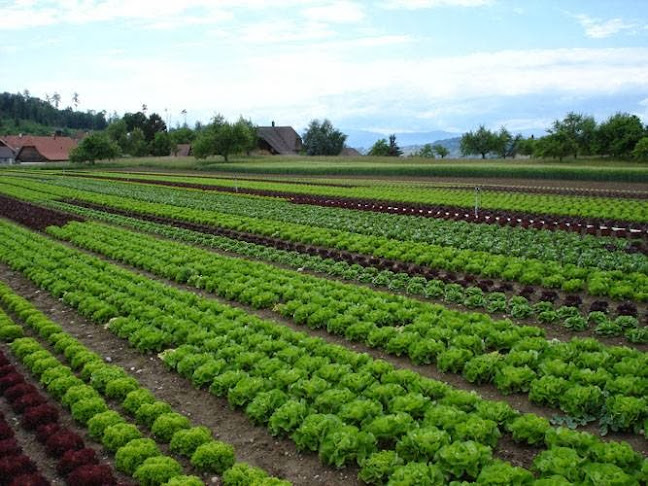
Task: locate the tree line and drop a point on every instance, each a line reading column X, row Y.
column 621, row 136
column 23, row 113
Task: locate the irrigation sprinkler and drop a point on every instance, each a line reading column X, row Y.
column 477, row 200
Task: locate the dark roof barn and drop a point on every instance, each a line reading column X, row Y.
column 279, row 140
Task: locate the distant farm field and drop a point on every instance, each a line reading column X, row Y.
column 325, row 322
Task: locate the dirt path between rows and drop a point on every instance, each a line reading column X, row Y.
column 253, row 444
column 516, row 454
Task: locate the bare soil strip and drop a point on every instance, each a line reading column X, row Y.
column 253, row 444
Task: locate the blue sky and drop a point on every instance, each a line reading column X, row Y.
column 384, row 65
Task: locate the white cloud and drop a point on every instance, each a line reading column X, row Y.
column 419, row 4
column 599, row 29
column 335, row 12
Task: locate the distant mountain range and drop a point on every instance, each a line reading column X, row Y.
column 363, row 140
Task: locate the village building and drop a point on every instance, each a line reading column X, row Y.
column 30, row 148
column 279, row 140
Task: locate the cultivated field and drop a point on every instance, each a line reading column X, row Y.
column 272, row 324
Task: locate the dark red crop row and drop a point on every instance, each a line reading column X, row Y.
column 591, row 226
column 33, row 216
column 532, row 293
column 78, row 464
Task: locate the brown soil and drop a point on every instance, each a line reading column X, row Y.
column 519, row 401
column 34, row 449
column 253, row 444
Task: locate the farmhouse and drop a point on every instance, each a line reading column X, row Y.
column 279, row 140
column 7, row 156
column 30, row 148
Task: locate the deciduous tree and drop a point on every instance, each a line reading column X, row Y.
column 322, row 139
column 97, row 146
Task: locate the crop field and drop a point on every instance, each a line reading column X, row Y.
column 266, row 329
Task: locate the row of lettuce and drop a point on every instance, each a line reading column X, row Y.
column 76, row 463
column 399, row 427
column 584, row 378
column 94, row 393
column 604, row 253
column 623, row 209
column 615, row 284
column 605, row 321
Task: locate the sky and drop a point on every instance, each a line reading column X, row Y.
column 385, row 66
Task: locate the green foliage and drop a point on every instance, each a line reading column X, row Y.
column 157, row 470
column 345, row 444
column 186, row 441
column 224, row 138
column 503, row 474
column 321, row 138
column 418, row 473
column 118, row 435
column 481, row 142
column 185, row 481
column 288, row 417
column 213, row 457
column 167, row 424
column 384, row 148
column 529, row 428
column 640, row 152
column 132, row 455
column 242, row 474
column 135, row 399
column 101, row 421
column 147, row 413
column 84, row 410
column 619, row 135
column 422, row 444
column 379, row 467
column 95, row 147
column 463, row 458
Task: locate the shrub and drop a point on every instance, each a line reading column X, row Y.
column 157, row 470
column 73, row 459
column 86, row 409
column 101, row 421
column 118, row 435
column 213, row 457
column 131, row 456
column 62, row 441
column 168, row 424
column 186, row 441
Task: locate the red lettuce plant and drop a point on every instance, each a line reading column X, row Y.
column 39, row 415
column 74, row 459
column 63, row 441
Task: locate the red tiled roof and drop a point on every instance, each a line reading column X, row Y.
column 51, row 148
